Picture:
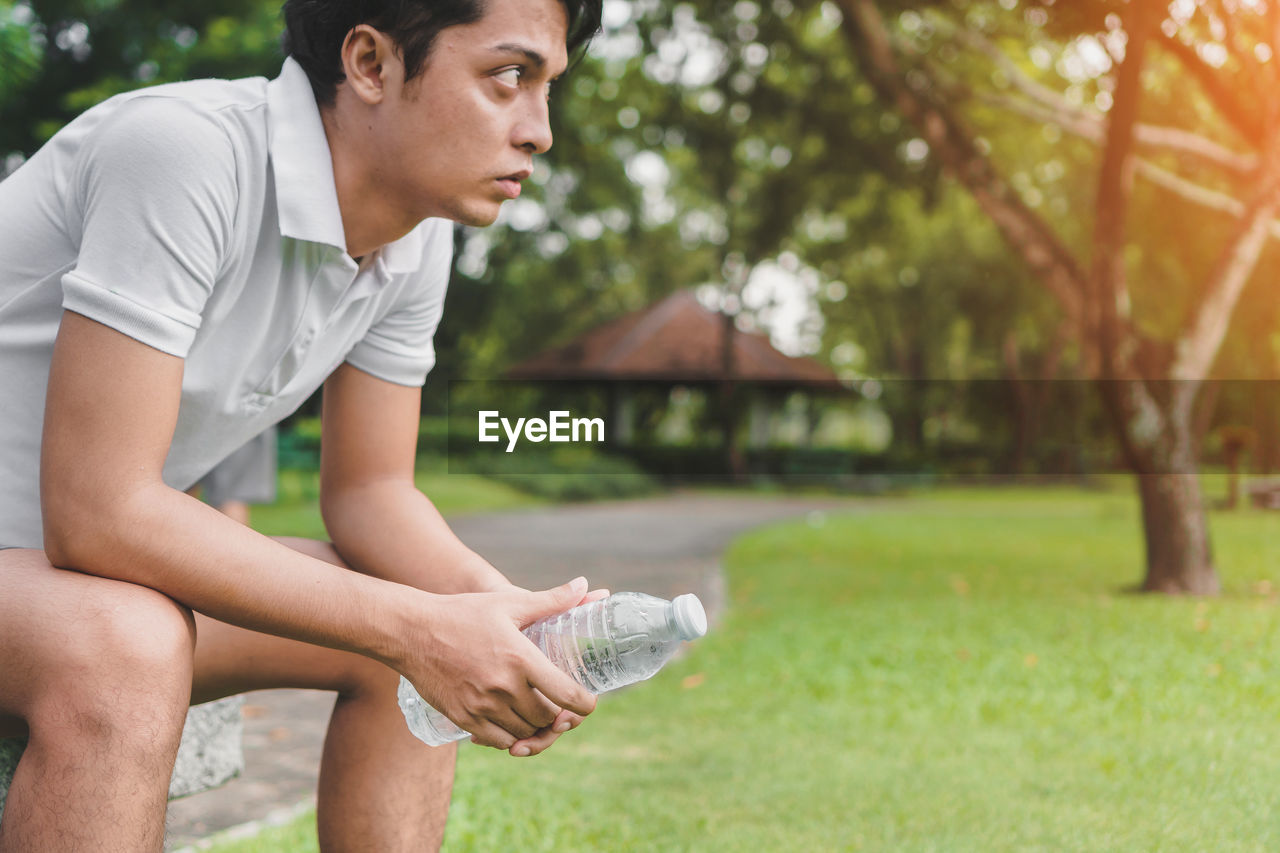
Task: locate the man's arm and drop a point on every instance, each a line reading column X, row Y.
column 378, row 519
column 110, row 414
column 379, row 522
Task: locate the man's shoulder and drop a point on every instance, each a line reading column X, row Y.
column 211, row 95
column 199, row 126
column 197, row 113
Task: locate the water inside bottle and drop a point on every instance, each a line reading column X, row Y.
column 601, row 656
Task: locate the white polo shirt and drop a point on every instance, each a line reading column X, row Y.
column 201, row 219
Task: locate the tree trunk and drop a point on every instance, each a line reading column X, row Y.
column 735, row 464
column 1266, row 426
column 1020, row 398
column 1030, row 395
column 1233, row 477
column 1157, row 436
column 1174, row 525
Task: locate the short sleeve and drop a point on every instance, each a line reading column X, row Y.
column 399, row 346
column 156, row 186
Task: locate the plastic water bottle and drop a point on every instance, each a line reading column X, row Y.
column 602, row 645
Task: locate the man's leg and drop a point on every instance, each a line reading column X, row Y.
column 98, row 674
column 380, row 788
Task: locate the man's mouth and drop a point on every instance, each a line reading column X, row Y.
column 510, row 187
column 511, row 183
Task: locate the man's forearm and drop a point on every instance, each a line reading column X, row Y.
column 391, row 530
column 161, row 538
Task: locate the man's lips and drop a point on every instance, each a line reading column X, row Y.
column 510, row 184
column 510, row 187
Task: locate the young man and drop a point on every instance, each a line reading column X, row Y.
column 179, row 268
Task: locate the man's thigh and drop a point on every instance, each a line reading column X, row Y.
column 231, row 660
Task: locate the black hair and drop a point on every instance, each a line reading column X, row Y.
column 316, row 29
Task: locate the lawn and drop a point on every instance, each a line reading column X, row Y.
column 959, row 671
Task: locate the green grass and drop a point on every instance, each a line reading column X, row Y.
column 956, row 672
column 297, row 510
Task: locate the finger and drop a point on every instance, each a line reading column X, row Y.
column 513, row 723
column 533, row 745
column 484, row 733
column 543, row 738
column 497, row 724
column 566, row 721
column 536, row 709
column 538, row 605
column 594, row 595
column 558, row 687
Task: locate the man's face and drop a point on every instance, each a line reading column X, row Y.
column 461, row 136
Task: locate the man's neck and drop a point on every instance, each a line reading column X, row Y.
column 368, row 220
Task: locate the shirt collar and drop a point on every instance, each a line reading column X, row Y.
column 403, row 255
column 306, row 195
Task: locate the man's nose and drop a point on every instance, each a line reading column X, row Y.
column 533, row 131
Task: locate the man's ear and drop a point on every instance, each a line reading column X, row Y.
column 368, row 57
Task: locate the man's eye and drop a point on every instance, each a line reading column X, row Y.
column 509, row 77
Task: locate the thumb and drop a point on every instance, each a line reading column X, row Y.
column 550, row 602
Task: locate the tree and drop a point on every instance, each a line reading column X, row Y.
column 1150, row 381
column 60, row 57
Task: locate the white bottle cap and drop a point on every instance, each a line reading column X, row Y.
column 691, row 619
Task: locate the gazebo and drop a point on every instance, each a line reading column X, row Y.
column 677, row 341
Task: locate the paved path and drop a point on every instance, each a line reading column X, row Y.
column 664, row 546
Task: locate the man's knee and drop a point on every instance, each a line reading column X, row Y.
column 133, row 628
column 117, row 667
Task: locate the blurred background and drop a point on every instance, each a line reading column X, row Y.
column 831, row 240
column 869, row 247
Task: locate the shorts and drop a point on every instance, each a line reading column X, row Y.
column 248, row 475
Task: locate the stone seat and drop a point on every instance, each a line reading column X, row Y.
column 209, row 755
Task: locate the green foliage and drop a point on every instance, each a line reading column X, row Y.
column 21, row 50
column 92, row 49
column 985, row 687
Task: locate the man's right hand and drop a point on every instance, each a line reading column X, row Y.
column 477, row 669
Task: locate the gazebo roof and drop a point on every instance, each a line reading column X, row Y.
column 674, row 340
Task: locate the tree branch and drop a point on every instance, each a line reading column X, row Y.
column 1197, row 194
column 1184, row 141
column 1022, row 81
column 1075, row 119
column 1111, row 206
column 1206, row 325
column 1093, row 131
column 954, row 145
column 1245, row 59
column 1092, row 128
column 1230, row 106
